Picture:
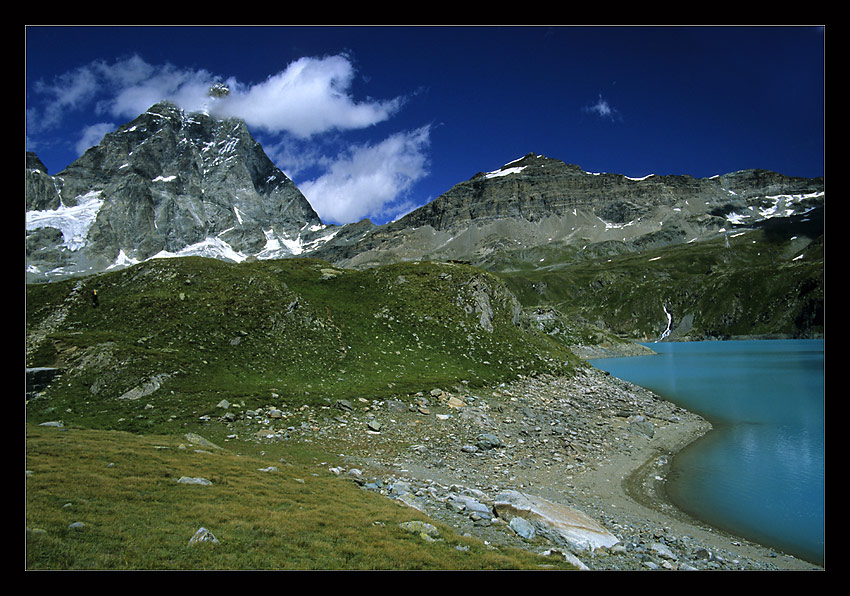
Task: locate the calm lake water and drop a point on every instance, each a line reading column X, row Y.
column 759, row 473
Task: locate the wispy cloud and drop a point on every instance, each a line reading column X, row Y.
column 309, row 98
column 92, row 135
column 603, row 109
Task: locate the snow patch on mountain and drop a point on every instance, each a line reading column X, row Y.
column 122, row 260
column 784, row 205
column 74, row 222
column 214, row 248
column 277, row 246
column 505, row 172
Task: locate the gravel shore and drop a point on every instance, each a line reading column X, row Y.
column 591, row 442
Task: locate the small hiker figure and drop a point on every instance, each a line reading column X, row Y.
column 94, row 298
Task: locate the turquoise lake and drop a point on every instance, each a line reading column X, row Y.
column 759, row 473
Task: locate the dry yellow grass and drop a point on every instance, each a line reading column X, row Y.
column 123, row 488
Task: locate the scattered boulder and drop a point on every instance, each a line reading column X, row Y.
column 202, row 536
column 455, row 402
column 413, row 501
column 558, row 523
column 200, row 441
column 344, row 405
column 663, row 551
column 641, row 426
column 427, row 532
column 488, row 441
column 468, row 504
column 522, row 527
column 146, row 388
column 191, row 480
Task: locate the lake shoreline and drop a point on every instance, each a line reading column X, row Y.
column 642, row 493
column 591, row 442
column 720, row 420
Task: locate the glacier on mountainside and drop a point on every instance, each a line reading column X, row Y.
column 74, row 222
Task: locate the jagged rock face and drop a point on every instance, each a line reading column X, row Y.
column 163, row 182
column 40, row 191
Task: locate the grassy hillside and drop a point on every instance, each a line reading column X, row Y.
column 759, row 283
column 204, row 330
column 168, row 340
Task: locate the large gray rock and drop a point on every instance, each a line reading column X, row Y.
column 558, row 523
column 203, row 536
column 38, row 378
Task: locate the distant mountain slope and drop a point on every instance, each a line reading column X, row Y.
column 171, row 183
column 537, row 201
column 756, row 283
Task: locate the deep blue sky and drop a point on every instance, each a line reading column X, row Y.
column 397, row 115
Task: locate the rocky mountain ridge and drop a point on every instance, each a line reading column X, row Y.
column 171, row 183
column 536, row 201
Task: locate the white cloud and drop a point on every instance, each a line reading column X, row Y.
column 309, row 97
column 603, row 109
column 92, row 135
column 188, row 89
column 370, row 180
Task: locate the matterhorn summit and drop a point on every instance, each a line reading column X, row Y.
column 169, row 183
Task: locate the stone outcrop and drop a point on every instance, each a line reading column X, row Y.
column 38, row 378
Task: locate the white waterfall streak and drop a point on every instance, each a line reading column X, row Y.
column 669, row 323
